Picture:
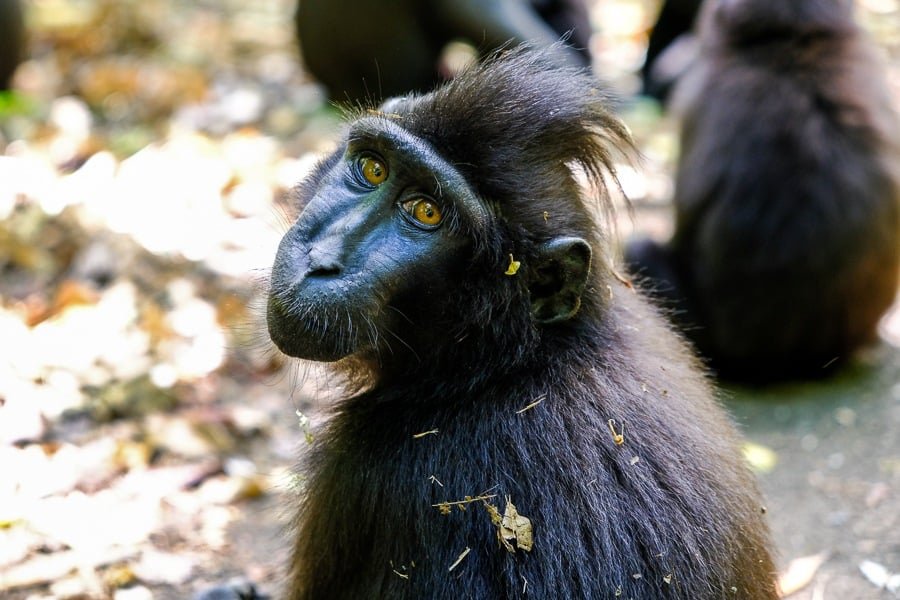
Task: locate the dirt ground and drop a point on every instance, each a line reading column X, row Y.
column 148, row 429
column 835, row 486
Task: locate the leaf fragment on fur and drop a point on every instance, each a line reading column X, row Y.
column 417, row 436
column 621, row 278
column 445, row 507
column 534, row 403
column 513, row 267
column 493, row 513
column 377, row 113
column 460, row 559
column 305, row 426
column 618, row 438
column 513, row 530
column 402, row 568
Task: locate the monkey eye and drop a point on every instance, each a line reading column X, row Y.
column 422, row 211
column 372, row 169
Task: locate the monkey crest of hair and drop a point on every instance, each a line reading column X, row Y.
column 449, row 258
column 786, row 250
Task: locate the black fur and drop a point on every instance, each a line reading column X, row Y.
column 787, row 196
column 676, row 20
column 670, row 513
column 363, row 51
column 12, row 40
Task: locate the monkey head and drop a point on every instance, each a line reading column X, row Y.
column 435, row 218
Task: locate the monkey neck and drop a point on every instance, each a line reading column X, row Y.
column 507, row 347
column 481, row 360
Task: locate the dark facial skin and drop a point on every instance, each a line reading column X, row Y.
column 486, row 351
column 787, row 200
column 361, row 247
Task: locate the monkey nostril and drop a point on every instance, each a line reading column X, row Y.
column 322, row 265
column 324, row 259
column 324, row 272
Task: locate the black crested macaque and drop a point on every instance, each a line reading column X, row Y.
column 673, row 25
column 787, row 197
column 365, row 52
column 448, row 259
column 12, row 40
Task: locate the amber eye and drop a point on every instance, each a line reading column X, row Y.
column 373, row 170
column 423, row 211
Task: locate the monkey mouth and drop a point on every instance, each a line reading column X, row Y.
column 320, row 316
column 310, row 331
column 301, row 314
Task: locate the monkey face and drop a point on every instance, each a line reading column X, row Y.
column 385, row 219
column 394, row 248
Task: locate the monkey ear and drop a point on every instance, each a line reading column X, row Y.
column 559, row 278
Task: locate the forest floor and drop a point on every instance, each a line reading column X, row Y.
column 147, row 427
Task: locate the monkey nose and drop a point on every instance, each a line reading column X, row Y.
column 325, row 259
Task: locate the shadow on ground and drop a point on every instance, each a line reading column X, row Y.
column 834, row 487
